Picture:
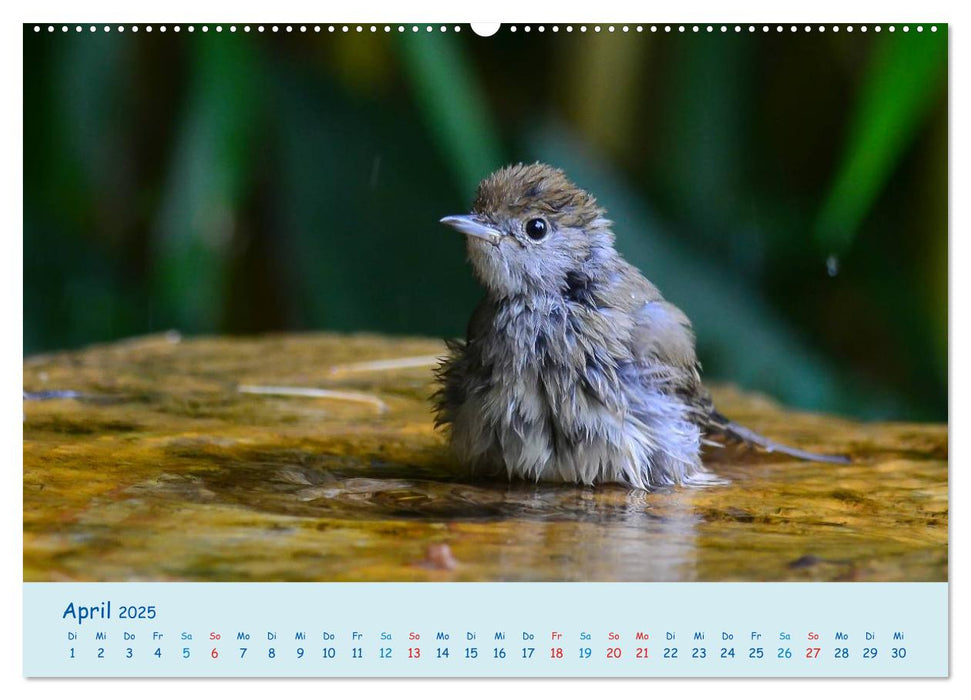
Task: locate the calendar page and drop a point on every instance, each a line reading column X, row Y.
column 510, row 350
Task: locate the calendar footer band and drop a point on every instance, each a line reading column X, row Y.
column 485, row 629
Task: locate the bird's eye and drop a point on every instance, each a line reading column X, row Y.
column 537, row 229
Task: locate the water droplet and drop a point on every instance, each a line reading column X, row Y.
column 832, row 266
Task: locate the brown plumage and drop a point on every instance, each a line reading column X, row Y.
column 575, row 367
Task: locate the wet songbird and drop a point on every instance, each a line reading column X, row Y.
column 574, row 367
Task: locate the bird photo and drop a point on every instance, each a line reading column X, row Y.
column 575, row 368
column 439, row 302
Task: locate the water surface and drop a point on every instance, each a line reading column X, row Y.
column 157, row 467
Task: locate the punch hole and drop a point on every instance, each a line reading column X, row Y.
column 485, row 29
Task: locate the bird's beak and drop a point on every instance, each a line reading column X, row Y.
column 472, row 226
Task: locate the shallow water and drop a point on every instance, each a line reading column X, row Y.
column 161, row 469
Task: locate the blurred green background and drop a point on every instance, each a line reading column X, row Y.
column 788, row 190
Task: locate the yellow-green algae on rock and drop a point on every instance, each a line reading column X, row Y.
column 162, row 469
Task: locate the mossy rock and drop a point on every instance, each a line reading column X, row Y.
column 159, row 468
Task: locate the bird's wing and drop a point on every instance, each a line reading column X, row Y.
column 662, row 337
column 663, row 340
column 661, row 333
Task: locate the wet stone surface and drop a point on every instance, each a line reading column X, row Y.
column 158, row 467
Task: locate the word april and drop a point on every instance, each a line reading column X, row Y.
column 80, row 613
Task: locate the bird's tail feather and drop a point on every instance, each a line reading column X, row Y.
column 742, row 434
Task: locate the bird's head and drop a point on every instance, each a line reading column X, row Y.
column 530, row 228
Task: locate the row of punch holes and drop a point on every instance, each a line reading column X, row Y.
column 491, row 29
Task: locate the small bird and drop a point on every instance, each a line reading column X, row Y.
column 574, row 367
